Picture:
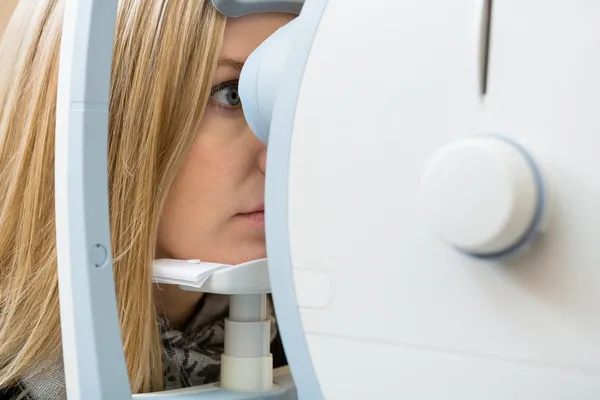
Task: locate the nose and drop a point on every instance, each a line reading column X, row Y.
column 262, row 161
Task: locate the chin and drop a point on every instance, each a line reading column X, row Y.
column 250, row 255
column 248, row 249
column 236, row 251
column 248, row 246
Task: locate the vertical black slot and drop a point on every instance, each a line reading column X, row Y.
column 484, row 45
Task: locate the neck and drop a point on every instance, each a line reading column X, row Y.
column 177, row 305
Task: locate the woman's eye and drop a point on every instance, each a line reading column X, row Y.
column 226, row 95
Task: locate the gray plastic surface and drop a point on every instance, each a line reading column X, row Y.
column 237, row 8
column 276, row 215
column 92, row 346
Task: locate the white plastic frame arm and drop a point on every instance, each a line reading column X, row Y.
column 91, row 340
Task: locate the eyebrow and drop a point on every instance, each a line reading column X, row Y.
column 231, row 62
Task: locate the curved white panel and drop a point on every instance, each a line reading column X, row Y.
column 387, row 84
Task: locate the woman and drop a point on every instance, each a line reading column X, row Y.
column 186, row 180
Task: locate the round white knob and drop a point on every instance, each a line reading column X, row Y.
column 481, row 194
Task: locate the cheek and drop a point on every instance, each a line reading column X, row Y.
column 200, row 201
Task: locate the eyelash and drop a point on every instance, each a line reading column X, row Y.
column 220, row 87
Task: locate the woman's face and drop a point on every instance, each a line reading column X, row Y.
column 215, row 208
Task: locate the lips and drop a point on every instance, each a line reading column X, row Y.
column 258, row 209
column 254, row 215
column 257, row 216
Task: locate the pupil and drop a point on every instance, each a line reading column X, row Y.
column 233, row 97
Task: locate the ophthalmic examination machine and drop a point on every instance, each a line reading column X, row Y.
column 432, row 204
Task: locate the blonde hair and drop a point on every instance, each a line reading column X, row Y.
column 165, row 54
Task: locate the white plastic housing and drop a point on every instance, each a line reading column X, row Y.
column 261, row 77
column 387, row 309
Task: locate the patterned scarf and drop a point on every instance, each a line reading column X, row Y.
column 191, row 356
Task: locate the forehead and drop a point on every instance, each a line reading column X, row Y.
column 244, row 34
